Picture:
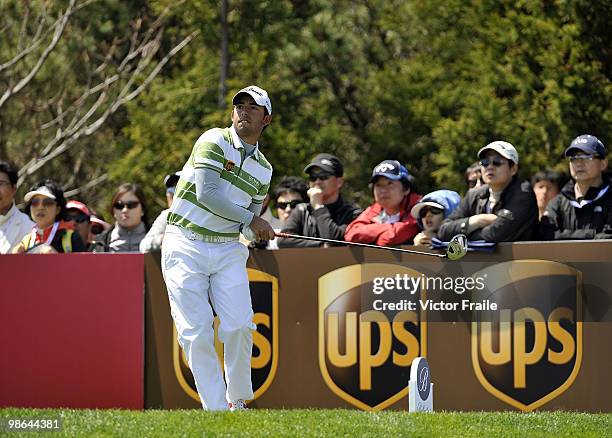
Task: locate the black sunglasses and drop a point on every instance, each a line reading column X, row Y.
column 78, row 218
column 322, row 176
column 292, row 204
column 130, row 205
column 495, row 162
column 433, row 210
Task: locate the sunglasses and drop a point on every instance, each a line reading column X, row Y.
column 45, row 202
column 581, row 158
column 322, row 176
column 78, row 218
column 292, row 204
column 130, row 205
column 433, row 210
column 495, row 162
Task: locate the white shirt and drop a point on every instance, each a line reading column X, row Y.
column 14, row 226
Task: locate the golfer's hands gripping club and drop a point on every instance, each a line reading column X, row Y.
column 261, row 229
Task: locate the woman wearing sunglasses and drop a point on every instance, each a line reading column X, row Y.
column 131, row 224
column 46, row 205
column 388, row 221
column 504, row 209
column 430, row 211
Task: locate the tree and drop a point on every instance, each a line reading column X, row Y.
column 63, row 77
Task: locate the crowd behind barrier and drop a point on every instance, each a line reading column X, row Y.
column 497, row 207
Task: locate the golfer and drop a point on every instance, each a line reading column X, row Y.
column 219, row 194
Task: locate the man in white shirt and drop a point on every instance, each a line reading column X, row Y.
column 14, row 224
column 219, row 194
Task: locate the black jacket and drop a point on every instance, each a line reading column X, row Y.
column 329, row 222
column 517, row 215
column 593, row 220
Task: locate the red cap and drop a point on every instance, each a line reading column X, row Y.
column 78, row 206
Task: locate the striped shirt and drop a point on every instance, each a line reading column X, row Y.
column 244, row 180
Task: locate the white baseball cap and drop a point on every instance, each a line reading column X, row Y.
column 503, row 148
column 43, row 190
column 258, row 94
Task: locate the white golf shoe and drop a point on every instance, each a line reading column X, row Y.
column 238, row 405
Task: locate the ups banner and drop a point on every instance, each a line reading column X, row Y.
column 527, row 327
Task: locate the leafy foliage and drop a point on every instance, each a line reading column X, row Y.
column 427, row 83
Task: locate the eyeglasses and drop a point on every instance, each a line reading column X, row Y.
column 582, row 158
column 433, row 210
column 45, row 202
column 78, row 218
column 495, row 162
column 322, row 176
column 130, row 205
column 292, row 204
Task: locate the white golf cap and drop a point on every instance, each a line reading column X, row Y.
column 503, row 148
column 258, row 94
column 44, row 191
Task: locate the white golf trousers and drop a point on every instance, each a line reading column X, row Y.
column 195, row 272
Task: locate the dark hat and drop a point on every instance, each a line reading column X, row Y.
column 328, row 163
column 391, row 169
column 588, row 144
column 172, row 179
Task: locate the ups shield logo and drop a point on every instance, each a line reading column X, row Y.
column 528, row 351
column 365, row 354
column 264, row 297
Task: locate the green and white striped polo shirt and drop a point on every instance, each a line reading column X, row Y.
column 243, row 181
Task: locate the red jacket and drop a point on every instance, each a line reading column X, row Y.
column 365, row 230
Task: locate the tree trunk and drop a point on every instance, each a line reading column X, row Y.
column 224, row 54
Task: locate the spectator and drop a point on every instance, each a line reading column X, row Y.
column 327, row 214
column 546, row 185
column 504, row 209
column 388, row 221
column 583, row 209
column 430, row 211
column 80, row 216
column 153, row 240
column 13, row 223
column 46, row 204
column 129, row 209
column 473, row 176
column 287, row 195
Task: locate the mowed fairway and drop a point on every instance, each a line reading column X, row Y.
column 303, row 422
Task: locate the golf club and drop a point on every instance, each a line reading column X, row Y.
column 457, row 247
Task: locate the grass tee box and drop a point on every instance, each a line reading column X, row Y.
column 305, row 423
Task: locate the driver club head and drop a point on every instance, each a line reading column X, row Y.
column 457, row 247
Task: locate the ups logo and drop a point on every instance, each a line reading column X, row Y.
column 530, row 351
column 365, row 354
column 264, row 362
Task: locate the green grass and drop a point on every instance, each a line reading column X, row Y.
column 304, row 423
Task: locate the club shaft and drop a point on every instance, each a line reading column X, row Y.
column 366, row 245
